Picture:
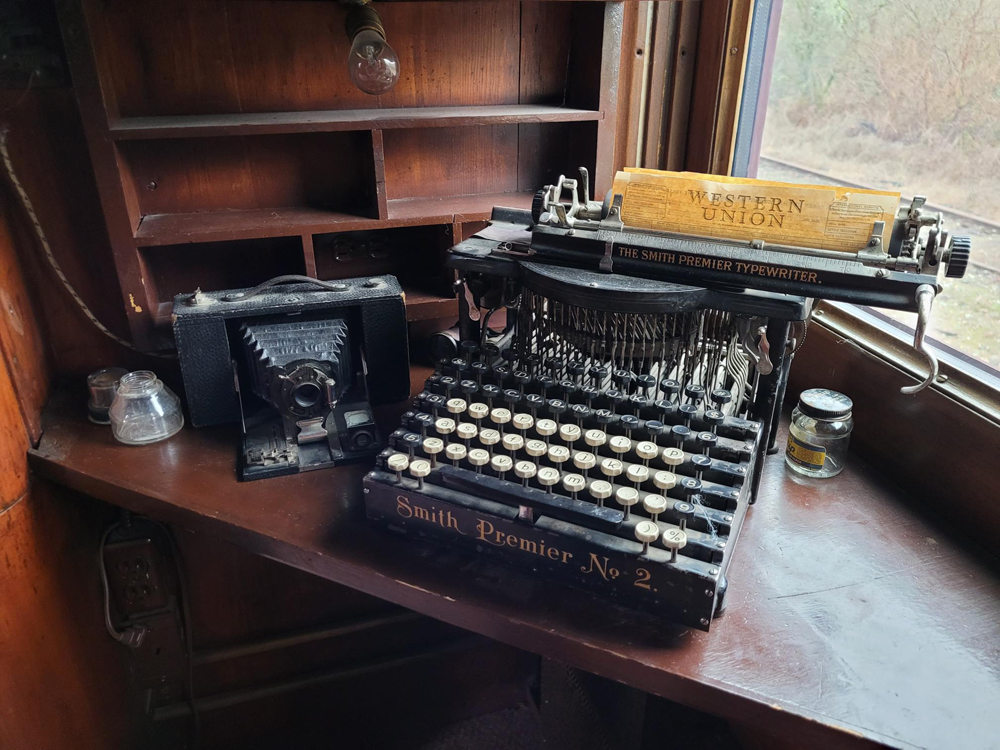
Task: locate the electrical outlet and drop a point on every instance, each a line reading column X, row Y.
column 134, row 576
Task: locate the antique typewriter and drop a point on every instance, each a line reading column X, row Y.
column 616, row 387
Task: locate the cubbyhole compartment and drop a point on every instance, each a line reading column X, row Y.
column 414, row 255
column 196, row 189
column 471, row 169
column 215, row 266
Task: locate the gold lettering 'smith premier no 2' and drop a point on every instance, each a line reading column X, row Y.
column 486, row 531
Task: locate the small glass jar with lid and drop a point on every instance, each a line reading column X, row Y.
column 819, row 433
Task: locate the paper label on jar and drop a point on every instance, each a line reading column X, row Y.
column 805, row 455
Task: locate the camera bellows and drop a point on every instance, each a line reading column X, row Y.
column 301, row 366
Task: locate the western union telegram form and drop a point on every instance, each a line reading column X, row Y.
column 827, row 217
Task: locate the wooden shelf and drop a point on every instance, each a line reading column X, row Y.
column 838, row 589
column 325, row 121
column 453, row 208
column 214, row 226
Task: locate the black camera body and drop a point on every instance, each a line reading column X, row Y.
column 299, row 365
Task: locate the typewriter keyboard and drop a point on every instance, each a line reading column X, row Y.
column 658, row 464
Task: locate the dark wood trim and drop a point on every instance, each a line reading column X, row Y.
column 309, row 255
column 611, row 47
column 731, row 85
column 78, row 19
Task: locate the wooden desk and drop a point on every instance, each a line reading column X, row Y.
column 851, row 619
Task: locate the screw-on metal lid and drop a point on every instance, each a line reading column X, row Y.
column 822, row 403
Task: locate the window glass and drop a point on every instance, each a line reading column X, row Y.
column 900, row 95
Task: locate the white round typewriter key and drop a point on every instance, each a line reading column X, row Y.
column 466, row 431
column 646, row 532
column 665, row 480
column 420, row 469
column 573, row 483
column 456, row 405
column 512, row 443
column 445, row 426
column 595, row 438
column 500, row 417
column 547, row 476
column 398, row 462
column 646, row 450
column 674, row 539
column 478, row 411
column 611, row 467
column 501, row 464
column 536, row 448
column 523, row 421
column 570, row 433
column 600, row 490
column 489, row 437
column 673, row 456
column 637, row 473
column 654, row 505
column 526, row 470
column 620, row 444
column 456, row 452
column 479, row 458
column 584, row 461
column 627, row 497
column 558, row 454
column 545, row 428
column 433, row 446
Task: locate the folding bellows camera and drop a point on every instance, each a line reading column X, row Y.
column 299, row 362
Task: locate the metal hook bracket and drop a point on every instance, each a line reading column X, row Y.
column 925, row 298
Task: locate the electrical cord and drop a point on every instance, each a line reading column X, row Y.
column 51, row 258
column 132, row 636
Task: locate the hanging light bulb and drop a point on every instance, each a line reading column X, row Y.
column 372, row 63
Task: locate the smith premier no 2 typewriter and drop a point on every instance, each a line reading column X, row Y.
column 606, row 415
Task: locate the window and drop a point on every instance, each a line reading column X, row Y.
column 900, row 95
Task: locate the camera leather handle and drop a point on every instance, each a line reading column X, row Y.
column 330, row 286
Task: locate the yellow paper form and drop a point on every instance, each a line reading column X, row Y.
column 820, row 216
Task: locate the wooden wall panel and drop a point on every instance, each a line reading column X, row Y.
column 21, row 339
column 309, row 169
column 63, row 680
column 545, row 36
column 453, row 161
column 49, row 152
column 207, row 56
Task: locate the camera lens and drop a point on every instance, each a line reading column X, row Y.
column 306, row 395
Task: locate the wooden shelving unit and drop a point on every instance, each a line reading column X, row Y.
column 220, row 165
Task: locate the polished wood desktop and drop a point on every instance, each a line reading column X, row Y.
column 852, row 619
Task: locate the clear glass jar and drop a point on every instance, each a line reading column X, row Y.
column 103, row 385
column 144, row 410
column 819, row 433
